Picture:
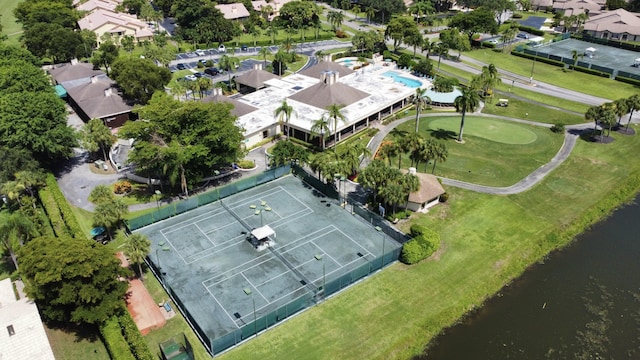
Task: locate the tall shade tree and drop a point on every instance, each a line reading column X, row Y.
column 440, row 153
column 467, row 101
column 592, row 114
column 95, row 135
column 136, row 248
column 15, row 231
column 229, row 64
column 607, row 116
column 73, row 280
column 264, row 52
column 283, row 114
column 140, row 78
column 420, row 100
column 334, row 112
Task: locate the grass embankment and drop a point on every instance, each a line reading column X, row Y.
column 487, row 242
column 572, row 80
column 76, row 343
column 495, row 152
column 10, row 27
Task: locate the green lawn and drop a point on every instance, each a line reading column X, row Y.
column 486, row 242
column 9, row 26
column 76, row 343
column 530, row 111
column 573, row 80
column 495, row 152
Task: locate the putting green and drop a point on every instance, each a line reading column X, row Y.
column 487, row 128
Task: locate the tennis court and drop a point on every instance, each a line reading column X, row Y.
column 604, row 56
column 218, row 276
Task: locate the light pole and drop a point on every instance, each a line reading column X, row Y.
column 263, row 208
column 532, row 67
column 344, row 195
column 248, row 292
column 384, row 240
column 158, row 193
column 159, row 266
column 324, row 275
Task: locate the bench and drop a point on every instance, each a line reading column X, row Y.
column 167, row 306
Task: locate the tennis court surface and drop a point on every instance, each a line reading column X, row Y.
column 219, row 279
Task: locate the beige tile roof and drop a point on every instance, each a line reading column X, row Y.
column 616, row 22
column 255, row 78
column 68, row 72
column 119, row 22
column 575, row 7
column 233, row 11
column 430, row 188
column 92, row 5
column 99, row 99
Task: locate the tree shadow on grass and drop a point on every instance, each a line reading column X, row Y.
column 593, row 136
column 80, row 331
column 442, row 134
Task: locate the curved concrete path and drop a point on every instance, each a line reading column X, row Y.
column 571, row 135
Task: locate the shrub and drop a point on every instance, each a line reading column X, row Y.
column 423, row 245
column 69, row 218
column 122, row 187
column 386, row 54
column 114, row 340
column 628, row 80
column 444, row 197
column 590, row 71
column 531, row 30
column 341, row 34
column 246, row 164
column 558, row 128
column 130, row 331
column 517, row 16
column 53, row 213
column 538, row 58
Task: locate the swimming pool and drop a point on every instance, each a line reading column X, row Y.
column 403, row 80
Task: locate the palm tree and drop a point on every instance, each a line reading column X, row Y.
column 467, row 101
column 424, row 152
column 421, row 101
column 371, row 12
column 410, row 183
column 319, row 128
column 179, row 89
column 284, row 112
column 410, row 144
column 264, row 52
column 204, row 84
column 633, row 103
column 441, row 49
column 228, row 64
column 592, row 114
column 440, row 153
column 607, row 116
column 136, row 248
column 393, row 194
column 621, row 107
column 255, row 32
column 356, row 9
column 575, row 55
column 273, row 32
column 335, row 18
column 334, row 112
column 15, row 231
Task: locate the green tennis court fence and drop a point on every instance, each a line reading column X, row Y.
column 221, row 192
column 309, row 299
column 324, row 188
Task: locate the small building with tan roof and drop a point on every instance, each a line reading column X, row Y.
column 117, row 24
column 428, row 195
column 254, row 79
column 617, row 25
column 235, row 11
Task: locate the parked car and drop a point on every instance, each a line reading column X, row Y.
column 200, row 52
column 181, row 66
column 221, row 48
column 191, row 77
column 198, row 74
column 212, row 71
column 494, row 41
column 244, row 47
column 523, row 35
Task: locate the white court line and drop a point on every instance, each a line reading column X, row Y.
column 290, row 218
column 291, row 195
column 203, row 216
column 322, row 249
column 253, row 286
column 223, row 308
column 349, row 237
column 209, row 251
column 205, row 235
column 239, row 266
column 184, row 223
column 174, row 249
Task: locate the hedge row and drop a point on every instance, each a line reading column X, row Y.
column 116, row 344
column 424, row 243
column 73, row 229
column 538, row 58
column 132, row 335
column 53, row 213
column 628, row 80
column 590, row 71
column 531, row 30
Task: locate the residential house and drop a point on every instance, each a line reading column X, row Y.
column 261, row 5
column 617, row 25
column 235, row 11
column 100, row 99
column 254, row 79
column 22, row 335
column 577, row 7
column 117, row 24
